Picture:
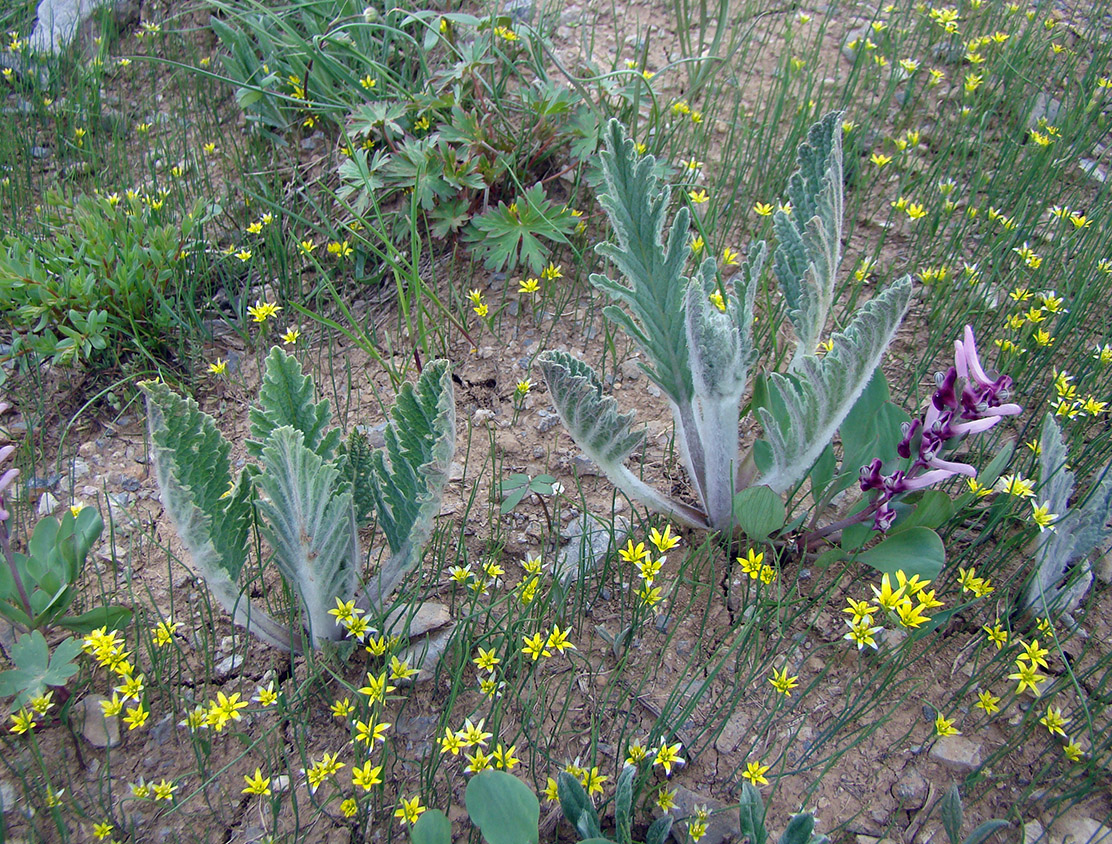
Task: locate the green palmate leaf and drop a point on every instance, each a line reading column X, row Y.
column 504, row 808
column 809, row 406
column 408, row 476
column 508, row 235
column 286, row 397
column 36, row 667
column 808, row 248
column 433, row 827
column 917, row 550
column 310, row 526
column 600, row 430
column 653, row 267
column 209, row 513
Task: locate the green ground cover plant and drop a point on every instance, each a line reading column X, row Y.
column 366, row 248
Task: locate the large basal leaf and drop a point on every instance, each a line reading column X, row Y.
column 653, row 267
column 915, row 551
column 808, row 240
column 809, row 406
column 210, row 515
column 286, row 397
column 601, row 431
column 310, row 525
column 408, row 475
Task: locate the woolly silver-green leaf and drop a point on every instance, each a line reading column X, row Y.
column 286, row 397
column 820, row 393
column 1063, row 574
column 808, row 249
column 652, row 265
column 408, row 475
column 310, row 526
column 210, row 515
column 601, row 431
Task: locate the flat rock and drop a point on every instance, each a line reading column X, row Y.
column 722, row 825
column 1033, row 833
column 428, row 616
column 425, row 655
column 59, row 22
column 1078, row 829
column 96, row 729
column 958, row 754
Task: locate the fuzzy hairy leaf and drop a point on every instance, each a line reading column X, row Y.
column 808, row 248
column 1063, row 574
column 357, row 470
column 653, row 267
column 286, row 397
column 194, row 475
column 409, row 474
column 823, row 390
column 602, row 432
column 591, row 418
column 310, row 526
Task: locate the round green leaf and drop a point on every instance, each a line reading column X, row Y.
column 917, row 550
column 504, row 808
column 759, row 511
column 433, row 827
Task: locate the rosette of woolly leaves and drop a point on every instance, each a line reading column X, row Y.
column 286, row 397
column 808, row 240
column 407, row 478
column 210, row 513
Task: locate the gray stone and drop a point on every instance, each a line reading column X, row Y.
column 589, row 542
column 957, row 753
column 227, row 666
column 47, row 504
column 7, row 797
column 1033, row 833
column 1078, row 829
column 96, row 729
column 910, row 790
column 41, row 152
column 59, row 22
column 428, row 616
column 424, row 656
column 723, row 825
column 1045, row 108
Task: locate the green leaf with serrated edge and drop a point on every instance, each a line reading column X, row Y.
column 194, row 476
column 286, row 398
column 824, row 390
column 981, row 834
column 411, row 471
column 752, row 814
column 594, row 423
column 949, row 807
column 577, row 806
column 623, row 804
column 503, row 807
column 36, row 667
column 310, row 526
column 808, row 241
column 918, row 550
column 433, row 827
column 799, row 829
column 759, row 511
